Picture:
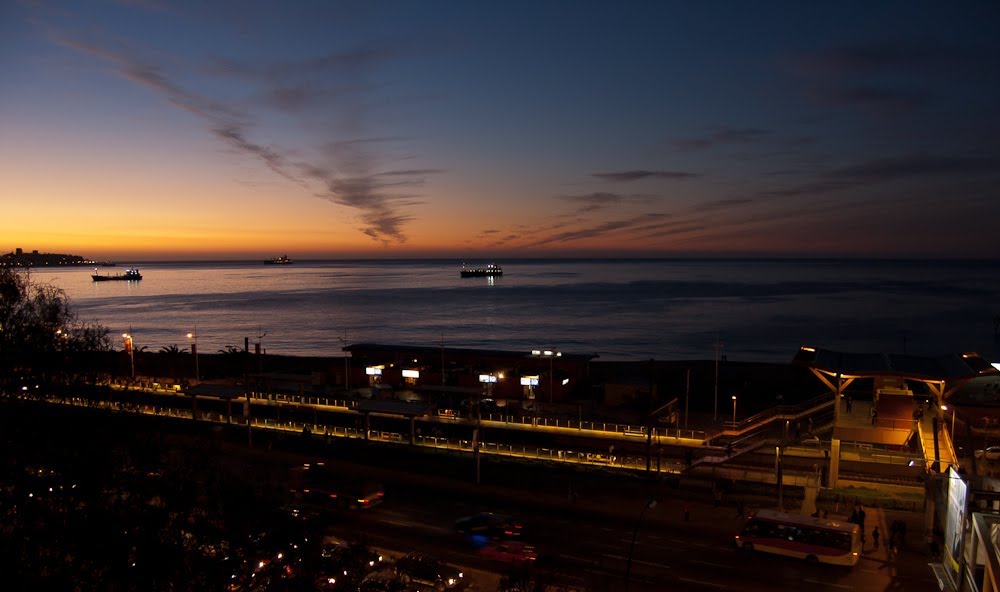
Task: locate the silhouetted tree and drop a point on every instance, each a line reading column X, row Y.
column 37, row 324
column 38, row 318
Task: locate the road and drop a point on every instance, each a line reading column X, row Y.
column 587, row 543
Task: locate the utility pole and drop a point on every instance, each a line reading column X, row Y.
column 260, row 356
column 777, row 475
column 347, row 372
column 715, row 416
column 687, row 397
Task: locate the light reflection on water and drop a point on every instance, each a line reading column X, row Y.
column 628, row 309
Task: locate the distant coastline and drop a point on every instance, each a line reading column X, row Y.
column 18, row 258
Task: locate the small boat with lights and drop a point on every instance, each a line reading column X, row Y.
column 283, row 260
column 490, row 270
column 131, row 275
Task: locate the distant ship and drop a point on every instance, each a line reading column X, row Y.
column 131, row 275
column 283, row 260
column 490, row 270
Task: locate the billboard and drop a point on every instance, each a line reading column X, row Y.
column 954, row 519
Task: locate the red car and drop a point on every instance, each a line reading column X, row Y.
column 509, row 552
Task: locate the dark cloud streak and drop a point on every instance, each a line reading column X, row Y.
column 722, row 137
column 626, row 176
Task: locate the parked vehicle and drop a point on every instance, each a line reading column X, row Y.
column 991, row 453
column 344, row 565
column 426, row 572
column 383, row 581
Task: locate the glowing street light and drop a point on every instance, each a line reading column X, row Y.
column 551, row 355
column 194, row 350
column 945, row 408
column 127, row 337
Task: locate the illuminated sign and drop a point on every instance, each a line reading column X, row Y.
column 373, row 371
column 411, row 374
column 487, row 378
column 529, row 381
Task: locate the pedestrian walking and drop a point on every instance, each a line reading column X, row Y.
column 810, row 425
column 875, row 538
column 739, row 508
column 892, row 546
column 687, row 513
column 874, row 416
column 848, row 404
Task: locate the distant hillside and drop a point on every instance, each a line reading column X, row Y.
column 19, row 258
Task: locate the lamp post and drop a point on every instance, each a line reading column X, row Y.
column 131, row 350
column 347, row 372
column 551, row 355
column 718, row 346
column 194, row 350
column 635, row 532
column 260, row 355
column 734, row 410
column 953, row 410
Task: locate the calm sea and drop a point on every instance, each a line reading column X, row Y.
column 760, row 310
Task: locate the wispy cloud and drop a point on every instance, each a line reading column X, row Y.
column 871, row 96
column 886, row 56
column 723, row 204
column 347, row 170
column 890, row 169
column 625, row 176
column 722, row 137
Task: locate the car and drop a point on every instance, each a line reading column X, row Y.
column 344, row 565
column 384, row 580
column 488, row 526
column 991, row 453
column 426, row 572
column 319, row 487
column 512, row 552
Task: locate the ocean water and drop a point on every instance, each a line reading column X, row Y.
column 759, row 310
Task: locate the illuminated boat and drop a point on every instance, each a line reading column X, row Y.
column 131, row 275
column 490, row 270
column 283, row 260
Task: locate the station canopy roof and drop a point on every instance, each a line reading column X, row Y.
column 947, row 367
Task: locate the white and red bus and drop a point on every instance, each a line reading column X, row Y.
column 813, row 539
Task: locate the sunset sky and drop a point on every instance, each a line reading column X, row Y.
column 146, row 129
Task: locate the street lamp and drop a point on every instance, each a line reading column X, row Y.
column 718, row 346
column 347, row 372
column 945, row 408
column 734, row 410
column 194, row 350
column 131, row 351
column 551, row 355
column 635, row 531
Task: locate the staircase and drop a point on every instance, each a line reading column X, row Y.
column 946, row 450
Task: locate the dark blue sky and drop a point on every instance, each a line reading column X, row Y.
column 519, row 128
